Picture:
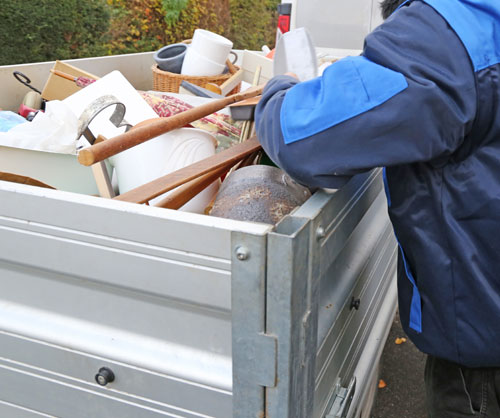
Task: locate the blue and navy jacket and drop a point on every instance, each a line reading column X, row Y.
column 423, row 100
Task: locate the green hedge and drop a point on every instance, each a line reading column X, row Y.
column 45, row 30
column 253, row 23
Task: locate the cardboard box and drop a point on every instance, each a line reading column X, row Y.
column 58, row 88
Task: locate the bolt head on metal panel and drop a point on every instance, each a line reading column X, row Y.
column 104, row 376
column 242, row 253
column 320, row 233
column 355, row 303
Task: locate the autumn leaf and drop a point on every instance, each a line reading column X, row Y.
column 381, row 384
column 400, row 341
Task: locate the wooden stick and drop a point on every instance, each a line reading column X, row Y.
column 231, row 82
column 247, row 126
column 102, row 180
column 231, row 67
column 253, row 101
column 250, row 160
column 122, row 142
column 17, row 178
column 226, row 158
column 188, row 191
column 63, row 75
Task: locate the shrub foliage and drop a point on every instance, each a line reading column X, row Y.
column 64, row 29
column 253, row 23
column 147, row 25
column 44, row 30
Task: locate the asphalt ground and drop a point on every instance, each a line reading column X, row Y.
column 402, row 370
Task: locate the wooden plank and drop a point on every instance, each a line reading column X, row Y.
column 185, row 193
column 225, row 158
column 17, row 178
column 102, row 180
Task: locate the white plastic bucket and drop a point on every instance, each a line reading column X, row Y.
column 162, row 155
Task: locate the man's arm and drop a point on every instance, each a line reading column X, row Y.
column 388, row 7
column 410, row 98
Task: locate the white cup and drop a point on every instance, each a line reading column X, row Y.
column 213, row 46
column 162, row 155
column 197, row 64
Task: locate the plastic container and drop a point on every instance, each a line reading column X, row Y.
column 9, row 119
column 162, row 155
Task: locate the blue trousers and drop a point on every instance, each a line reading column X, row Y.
column 454, row 391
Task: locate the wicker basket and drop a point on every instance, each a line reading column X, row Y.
column 166, row 81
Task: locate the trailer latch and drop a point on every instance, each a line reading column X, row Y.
column 342, row 401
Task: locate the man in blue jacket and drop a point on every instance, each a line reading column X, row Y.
column 423, row 101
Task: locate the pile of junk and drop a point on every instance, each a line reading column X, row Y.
column 188, row 143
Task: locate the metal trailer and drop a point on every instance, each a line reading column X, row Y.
column 195, row 316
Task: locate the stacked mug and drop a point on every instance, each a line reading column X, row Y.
column 206, row 55
column 170, row 57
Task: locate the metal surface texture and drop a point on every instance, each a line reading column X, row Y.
column 258, row 193
column 96, row 107
column 15, row 411
column 242, row 319
column 290, row 303
column 254, row 353
column 365, row 371
column 130, row 290
column 333, row 249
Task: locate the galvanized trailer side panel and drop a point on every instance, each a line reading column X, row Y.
column 88, row 283
column 357, row 264
column 240, row 321
column 335, row 261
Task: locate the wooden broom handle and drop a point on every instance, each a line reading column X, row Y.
column 63, row 75
column 183, row 194
column 109, row 147
column 226, row 158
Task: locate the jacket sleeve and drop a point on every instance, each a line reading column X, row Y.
column 407, row 99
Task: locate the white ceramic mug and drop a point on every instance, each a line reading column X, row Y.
column 196, row 64
column 213, row 46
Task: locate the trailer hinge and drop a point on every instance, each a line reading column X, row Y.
column 262, row 356
column 342, row 401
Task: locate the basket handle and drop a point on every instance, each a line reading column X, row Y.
column 230, row 64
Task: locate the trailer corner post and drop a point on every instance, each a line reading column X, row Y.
column 291, row 315
column 253, row 352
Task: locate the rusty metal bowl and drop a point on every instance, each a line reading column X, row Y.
column 258, row 193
